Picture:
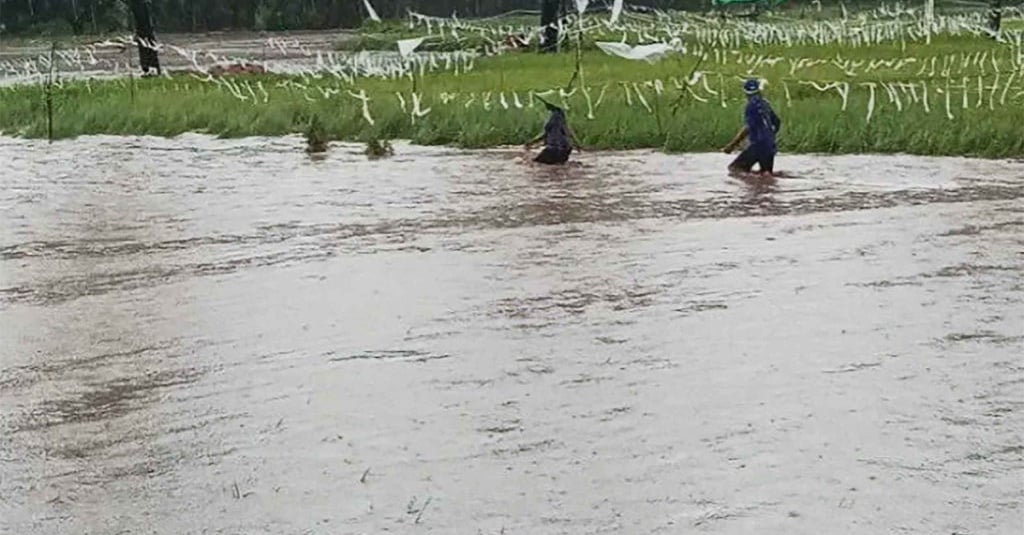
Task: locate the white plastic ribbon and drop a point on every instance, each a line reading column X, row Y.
column 407, row 46
column 616, row 11
column 370, row 12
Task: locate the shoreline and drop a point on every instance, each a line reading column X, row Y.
column 403, row 146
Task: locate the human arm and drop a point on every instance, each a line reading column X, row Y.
column 572, row 136
column 743, row 133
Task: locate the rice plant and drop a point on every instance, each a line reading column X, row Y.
column 877, row 82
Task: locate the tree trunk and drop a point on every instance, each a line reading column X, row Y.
column 549, row 23
column 995, row 17
column 145, row 36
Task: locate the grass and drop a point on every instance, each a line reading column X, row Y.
column 316, row 138
column 469, row 110
column 457, row 34
column 472, row 35
column 377, row 148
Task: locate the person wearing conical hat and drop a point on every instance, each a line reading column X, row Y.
column 558, row 137
column 761, row 126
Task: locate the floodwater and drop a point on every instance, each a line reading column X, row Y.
column 210, row 336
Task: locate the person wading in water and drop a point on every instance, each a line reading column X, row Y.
column 761, row 126
column 558, row 137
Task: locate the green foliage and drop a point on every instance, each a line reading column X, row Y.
column 389, row 41
column 813, row 120
column 52, row 17
column 379, row 148
column 316, row 136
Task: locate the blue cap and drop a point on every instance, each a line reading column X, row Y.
column 751, row 86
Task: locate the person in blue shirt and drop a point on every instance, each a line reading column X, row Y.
column 558, row 137
column 761, row 125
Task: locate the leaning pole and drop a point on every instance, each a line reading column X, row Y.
column 929, row 19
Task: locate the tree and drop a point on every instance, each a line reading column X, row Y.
column 995, row 17
column 549, row 11
column 100, row 16
column 145, row 36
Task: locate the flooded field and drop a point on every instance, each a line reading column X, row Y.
column 24, row 60
column 205, row 336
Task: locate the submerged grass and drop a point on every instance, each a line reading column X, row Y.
column 316, row 138
column 379, row 148
column 491, row 104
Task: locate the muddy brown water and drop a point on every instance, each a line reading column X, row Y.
column 212, row 336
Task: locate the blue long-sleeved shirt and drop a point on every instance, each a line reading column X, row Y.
column 556, row 135
column 762, row 124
